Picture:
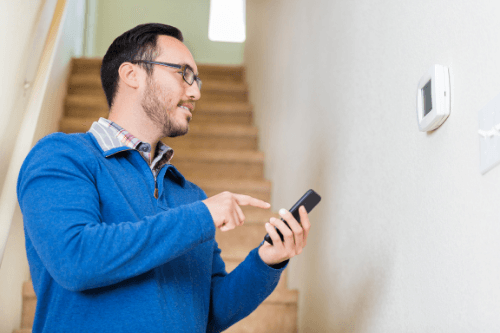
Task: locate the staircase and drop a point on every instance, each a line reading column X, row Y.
column 218, row 154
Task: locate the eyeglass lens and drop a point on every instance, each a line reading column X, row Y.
column 189, row 77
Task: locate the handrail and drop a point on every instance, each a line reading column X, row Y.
column 26, row 134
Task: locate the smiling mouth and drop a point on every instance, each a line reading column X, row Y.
column 190, row 116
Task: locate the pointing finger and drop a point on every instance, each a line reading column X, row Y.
column 246, row 200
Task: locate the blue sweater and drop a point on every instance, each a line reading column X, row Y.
column 106, row 256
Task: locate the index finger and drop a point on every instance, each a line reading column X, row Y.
column 246, row 200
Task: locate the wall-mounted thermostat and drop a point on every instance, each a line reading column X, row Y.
column 433, row 98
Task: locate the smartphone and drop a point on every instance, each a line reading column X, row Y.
column 308, row 200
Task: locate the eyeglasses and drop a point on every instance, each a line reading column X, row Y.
column 186, row 71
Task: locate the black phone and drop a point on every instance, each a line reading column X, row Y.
column 308, row 200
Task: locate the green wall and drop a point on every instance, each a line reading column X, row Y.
column 114, row 17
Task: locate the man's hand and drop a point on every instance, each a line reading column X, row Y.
column 225, row 209
column 293, row 240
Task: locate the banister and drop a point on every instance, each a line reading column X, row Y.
column 26, row 134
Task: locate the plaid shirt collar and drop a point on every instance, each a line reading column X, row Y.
column 110, row 135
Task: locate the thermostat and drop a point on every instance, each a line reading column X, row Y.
column 433, row 98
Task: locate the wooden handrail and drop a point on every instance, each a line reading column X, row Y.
column 26, row 134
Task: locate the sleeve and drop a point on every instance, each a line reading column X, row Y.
column 237, row 294
column 60, row 206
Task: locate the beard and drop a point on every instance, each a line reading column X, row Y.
column 161, row 112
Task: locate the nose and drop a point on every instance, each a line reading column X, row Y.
column 193, row 91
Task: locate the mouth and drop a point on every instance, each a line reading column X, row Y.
column 188, row 109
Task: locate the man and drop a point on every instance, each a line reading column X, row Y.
column 117, row 239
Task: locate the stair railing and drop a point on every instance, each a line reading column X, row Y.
column 28, row 127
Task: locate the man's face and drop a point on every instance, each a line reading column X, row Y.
column 167, row 99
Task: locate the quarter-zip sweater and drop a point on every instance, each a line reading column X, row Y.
column 106, row 256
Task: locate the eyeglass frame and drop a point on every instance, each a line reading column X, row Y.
column 181, row 67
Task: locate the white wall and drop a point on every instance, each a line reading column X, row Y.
column 19, row 20
column 406, row 238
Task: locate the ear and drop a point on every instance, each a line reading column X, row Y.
column 130, row 75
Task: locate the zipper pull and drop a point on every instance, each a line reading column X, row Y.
column 156, row 190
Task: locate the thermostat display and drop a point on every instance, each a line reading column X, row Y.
column 433, row 98
column 427, row 96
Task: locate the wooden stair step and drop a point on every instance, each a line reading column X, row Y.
column 23, row 330
column 236, row 254
column 86, row 65
column 216, row 137
column 260, row 189
column 28, row 290
column 76, row 125
column 218, row 117
column 222, row 112
column 220, row 164
column 206, row 156
column 227, row 130
column 229, row 87
column 225, row 107
column 87, row 80
column 87, row 102
column 94, row 91
column 221, row 73
column 220, row 93
column 242, row 239
column 29, row 305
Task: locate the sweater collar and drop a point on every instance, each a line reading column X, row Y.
column 113, row 139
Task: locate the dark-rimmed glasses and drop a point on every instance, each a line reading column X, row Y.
column 186, row 71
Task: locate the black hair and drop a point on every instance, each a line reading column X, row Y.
column 138, row 43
